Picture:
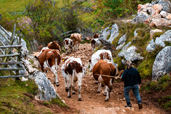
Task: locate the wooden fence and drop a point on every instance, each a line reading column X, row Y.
column 5, row 50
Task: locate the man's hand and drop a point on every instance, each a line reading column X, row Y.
column 140, row 85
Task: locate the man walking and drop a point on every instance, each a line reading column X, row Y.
column 132, row 80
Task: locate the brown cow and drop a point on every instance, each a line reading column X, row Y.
column 72, row 70
column 76, row 40
column 49, row 59
column 96, row 35
column 54, row 45
column 104, row 67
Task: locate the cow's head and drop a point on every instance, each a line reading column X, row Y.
column 105, row 55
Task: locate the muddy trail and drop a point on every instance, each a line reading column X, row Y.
column 92, row 102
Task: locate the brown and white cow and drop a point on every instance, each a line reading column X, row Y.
column 73, row 70
column 76, row 40
column 68, row 44
column 104, row 67
column 54, row 45
column 49, row 59
column 95, row 43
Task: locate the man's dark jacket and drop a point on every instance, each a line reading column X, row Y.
column 131, row 77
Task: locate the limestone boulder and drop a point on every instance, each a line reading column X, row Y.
column 140, row 18
column 164, row 14
column 130, row 54
column 166, row 4
column 162, row 63
column 151, row 46
column 165, row 37
column 46, row 90
column 121, row 53
column 114, row 32
column 168, row 17
column 104, row 33
column 160, row 22
column 122, row 39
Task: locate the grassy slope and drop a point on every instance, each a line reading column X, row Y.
column 19, row 5
column 18, row 97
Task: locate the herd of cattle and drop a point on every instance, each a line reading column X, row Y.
column 73, row 69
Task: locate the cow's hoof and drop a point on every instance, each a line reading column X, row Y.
column 106, row 100
column 102, row 85
column 73, row 92
column 105, row 94
column 69, row 96
column 66, row 89
column 79, row 99
column 57, row 84
column 98, row 91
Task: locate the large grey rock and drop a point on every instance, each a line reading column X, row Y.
column 130, row 54
column 122, row 39
column 114, row 32
column 165, row 3
column 151, row 46
column 140, row 18
column 104, row 33
column 121, row 53
column 165, row 37
column 45, row 88
column 162, row 63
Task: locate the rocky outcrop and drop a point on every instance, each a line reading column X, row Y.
column 166, row 4
column 151, row 46
column 162, row 63
column 104, row 33
column 154, row 14
column 121, row 42
column 165, row 37
column 130, row 54
column 121, row 53
column 114, row 32
column 46, row 90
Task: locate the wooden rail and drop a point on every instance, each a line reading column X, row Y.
column 5, row 54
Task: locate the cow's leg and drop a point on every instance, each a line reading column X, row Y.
column 65, row 79
column 100, row 80
column 108, row 94
column 73, row 83
column 69, row 86
column 111, row 80
column 53, row 69
column 79, row 76
column 105, row 91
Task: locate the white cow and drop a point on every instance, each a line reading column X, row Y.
column 73, row 70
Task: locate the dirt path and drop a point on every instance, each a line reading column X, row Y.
column 92, row 102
